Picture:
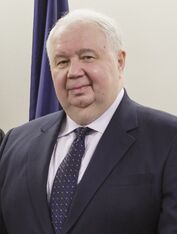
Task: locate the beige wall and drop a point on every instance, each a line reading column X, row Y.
column 16, row 18
column 150, row 33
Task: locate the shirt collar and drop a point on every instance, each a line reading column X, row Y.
column 99, row 124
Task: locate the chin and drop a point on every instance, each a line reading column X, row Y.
column 82, row 102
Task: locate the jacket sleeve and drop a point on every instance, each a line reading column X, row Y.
column 2, row 169
column 168, row 215
column 1, row 135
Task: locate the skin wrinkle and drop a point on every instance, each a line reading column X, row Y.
column 87, row 73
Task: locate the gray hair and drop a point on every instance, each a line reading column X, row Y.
column 108, row 26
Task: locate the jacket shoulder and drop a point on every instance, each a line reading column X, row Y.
column 156, row 122
column 41, row 122
column 34, row 127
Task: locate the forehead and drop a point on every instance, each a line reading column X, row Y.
column 88, row 35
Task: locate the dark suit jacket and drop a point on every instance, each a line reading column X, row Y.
column 129, row 187
column 1, row 135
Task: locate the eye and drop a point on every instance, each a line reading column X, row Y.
column 87, row 58
column 62, row 63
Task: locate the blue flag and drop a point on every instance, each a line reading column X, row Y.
column 43, row 99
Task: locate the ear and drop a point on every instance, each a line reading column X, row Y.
column 121, row 60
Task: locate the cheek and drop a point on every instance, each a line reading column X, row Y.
column 59, row 80
column 97, row 74
column 100, row 78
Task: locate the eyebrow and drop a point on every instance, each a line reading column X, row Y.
column 60, row 55
column 63, row 54
column 85, row 50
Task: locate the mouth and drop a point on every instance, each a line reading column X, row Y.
column 79, row 89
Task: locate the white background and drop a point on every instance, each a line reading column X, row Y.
column 150, row 35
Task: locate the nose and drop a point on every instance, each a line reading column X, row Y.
column 75, row 69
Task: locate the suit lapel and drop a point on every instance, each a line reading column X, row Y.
column 113, row 145
column 39, row 155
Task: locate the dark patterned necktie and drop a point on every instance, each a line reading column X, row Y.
column 65, row 182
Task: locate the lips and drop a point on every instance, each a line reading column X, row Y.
column 78, row 89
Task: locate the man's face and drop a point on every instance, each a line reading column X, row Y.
column 86, row 71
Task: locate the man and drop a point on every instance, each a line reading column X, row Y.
column 127, row 181
column 1, row 135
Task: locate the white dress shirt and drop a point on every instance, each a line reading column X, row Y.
column 66, row 137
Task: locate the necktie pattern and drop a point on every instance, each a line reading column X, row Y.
column 65, row 182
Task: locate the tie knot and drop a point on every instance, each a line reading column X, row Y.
column 81, row 132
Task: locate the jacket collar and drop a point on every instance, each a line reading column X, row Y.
column 114, row 144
